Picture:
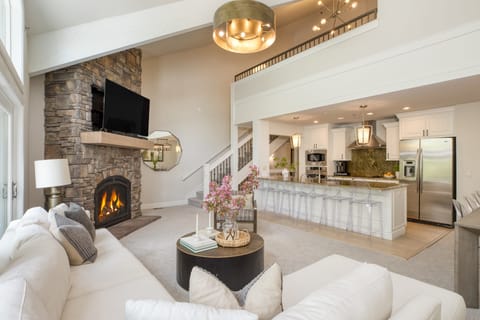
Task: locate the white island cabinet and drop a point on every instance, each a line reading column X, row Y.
column 340, row 204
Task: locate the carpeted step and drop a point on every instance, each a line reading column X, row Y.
column 195, row 202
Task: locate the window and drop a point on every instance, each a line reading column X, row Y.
column 12, row 32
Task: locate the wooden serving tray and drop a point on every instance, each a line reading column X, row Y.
column 243, row 240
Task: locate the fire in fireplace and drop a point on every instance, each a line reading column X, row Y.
column 112, row 201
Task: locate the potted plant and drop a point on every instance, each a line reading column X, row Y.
column 285, row 166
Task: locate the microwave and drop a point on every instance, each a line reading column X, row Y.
column 316, row 158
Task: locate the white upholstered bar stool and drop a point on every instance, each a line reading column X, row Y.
column 370, row 205
column 337, row 200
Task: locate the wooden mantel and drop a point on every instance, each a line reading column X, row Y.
column 114, row 140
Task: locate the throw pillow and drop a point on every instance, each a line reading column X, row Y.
column 262, row 296
column 19, row 301
column 74, row 238
column 166, row 310
column 366, row 293
column 77, row 213
column 35, row 215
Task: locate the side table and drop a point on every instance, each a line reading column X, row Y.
column 233, row 266
column 467, row 231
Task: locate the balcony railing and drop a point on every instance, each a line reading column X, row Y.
column 341, row 29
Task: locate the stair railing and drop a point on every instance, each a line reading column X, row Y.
column 345, row 27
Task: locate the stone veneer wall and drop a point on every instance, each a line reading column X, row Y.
column 370, row 163
column 68, row 105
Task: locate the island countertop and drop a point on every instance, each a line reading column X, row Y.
column 342, row 183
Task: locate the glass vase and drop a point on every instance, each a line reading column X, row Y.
column 230, row 227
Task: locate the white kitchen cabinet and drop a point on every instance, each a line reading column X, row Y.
column 428, row 123
column 393, row 140
column 316, row 137
column 341, row 138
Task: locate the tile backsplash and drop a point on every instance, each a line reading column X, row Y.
column 370, row 163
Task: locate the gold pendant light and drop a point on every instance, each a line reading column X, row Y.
column 244, row 26
column 364, row 133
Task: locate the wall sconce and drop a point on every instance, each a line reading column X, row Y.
column 296, row 140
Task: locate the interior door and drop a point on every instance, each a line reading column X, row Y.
column 5, row 168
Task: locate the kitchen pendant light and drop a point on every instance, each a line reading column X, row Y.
column 296, row 140
column 244, row 26
column 363, row 133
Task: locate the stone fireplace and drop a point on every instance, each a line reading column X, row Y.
column 68, row 114
column 112, row 201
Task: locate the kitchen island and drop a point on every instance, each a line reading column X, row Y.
column 373, row 208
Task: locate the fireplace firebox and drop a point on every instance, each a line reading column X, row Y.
column 112, row 201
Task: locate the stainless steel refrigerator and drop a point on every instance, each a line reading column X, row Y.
column 427, row 166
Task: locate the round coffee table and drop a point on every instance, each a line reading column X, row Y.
column 235, row 267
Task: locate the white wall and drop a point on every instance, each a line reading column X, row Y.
column 468, row 152
column 438, row 43
column 35, row 133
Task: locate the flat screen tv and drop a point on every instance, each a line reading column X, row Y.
column 125, row 111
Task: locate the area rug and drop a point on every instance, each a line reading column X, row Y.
column 417, row 238
column 126, row 227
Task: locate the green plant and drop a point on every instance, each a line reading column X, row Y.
column 283, row 163
column 396, row 166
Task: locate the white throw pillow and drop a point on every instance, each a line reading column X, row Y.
column 262, row 296
column 166, row 310
column 19, row 301
column 366, row 293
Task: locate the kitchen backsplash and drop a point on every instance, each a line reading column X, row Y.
column 370, row 163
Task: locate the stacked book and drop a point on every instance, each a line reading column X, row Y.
column 198, row 244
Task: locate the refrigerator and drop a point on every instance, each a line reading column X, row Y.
column 427, row 166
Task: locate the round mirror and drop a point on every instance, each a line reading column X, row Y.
column 166, row 152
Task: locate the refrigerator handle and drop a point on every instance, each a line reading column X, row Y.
column 420, row 170
column 417, row 173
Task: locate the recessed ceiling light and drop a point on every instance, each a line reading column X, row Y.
column 406, row 108
column 340, row 118
column 315, row 121
column 296, row 117
column 369, row 113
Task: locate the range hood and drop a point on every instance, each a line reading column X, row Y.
column 375, row 141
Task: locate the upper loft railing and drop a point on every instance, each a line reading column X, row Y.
column 341, row 29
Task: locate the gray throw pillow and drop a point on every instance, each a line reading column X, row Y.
column 77, row 213
column 74, row 238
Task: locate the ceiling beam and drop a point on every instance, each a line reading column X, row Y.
column 60, row 48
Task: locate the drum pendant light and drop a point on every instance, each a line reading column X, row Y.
column 244, row 26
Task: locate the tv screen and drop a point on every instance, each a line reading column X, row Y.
column 125, row 111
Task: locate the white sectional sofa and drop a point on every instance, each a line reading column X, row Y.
column 40, row 284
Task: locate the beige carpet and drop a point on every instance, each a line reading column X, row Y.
column 416, row 239
column 126, row 227
column 289, row 245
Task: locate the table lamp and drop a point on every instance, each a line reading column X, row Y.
column 52, row 174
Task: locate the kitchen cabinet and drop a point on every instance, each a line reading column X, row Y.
column 316, row 137
column 341, row 138
column 393, row 141
column 429, row 123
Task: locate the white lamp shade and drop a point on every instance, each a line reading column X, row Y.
column 52, row 173
column 296, row 140
column 364, row 133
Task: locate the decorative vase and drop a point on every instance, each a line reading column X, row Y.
column 230, row 226
column 285, row 174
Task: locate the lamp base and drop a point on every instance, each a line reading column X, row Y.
column 53, row 197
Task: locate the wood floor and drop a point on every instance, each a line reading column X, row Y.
column 417, row 237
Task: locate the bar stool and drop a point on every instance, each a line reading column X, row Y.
column 268, row 187
column 314, row 195
column 300, row 196
column 370, row 204
column 337, row 199
column 284, row 192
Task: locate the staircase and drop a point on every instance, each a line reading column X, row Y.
column 220, row 165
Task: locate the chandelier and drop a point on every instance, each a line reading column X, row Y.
column 333, row 13
column 244, row 26
column 363, row 133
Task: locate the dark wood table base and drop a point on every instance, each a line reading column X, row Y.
column 235, row 267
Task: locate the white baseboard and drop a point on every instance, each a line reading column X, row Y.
column 165, row 204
